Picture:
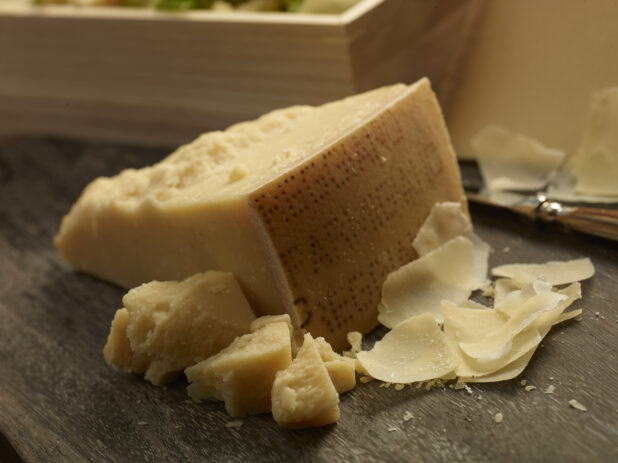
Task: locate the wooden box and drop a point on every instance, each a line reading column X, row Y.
column 147, row 77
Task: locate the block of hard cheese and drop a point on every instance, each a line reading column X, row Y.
column 167, row 326
column 310, row 207
column 242, row 374
column 303, row 395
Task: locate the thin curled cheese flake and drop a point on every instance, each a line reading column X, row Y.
column 509, row 371
column 545, row 321
column 512, row 301
column 469, row 325
column 522, row 347
column 554, row 272
column 450, row 272
column 445, row 222
column 415, row 350
column 568, row 316
column 497, row 344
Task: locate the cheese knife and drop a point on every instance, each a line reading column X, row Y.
column 596, row 221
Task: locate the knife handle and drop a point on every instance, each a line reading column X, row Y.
column 594, row 221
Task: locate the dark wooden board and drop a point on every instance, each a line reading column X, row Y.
column 59, row 401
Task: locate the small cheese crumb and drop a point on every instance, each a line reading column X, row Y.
column 576, row 405
column 393, row 429
column 551, row 378
column 365, row 379
column 407, row 416
column 550, row 389
column 498, row 417
column 399, row 387
column 234, row 424
column 523, row 382
column 530, row 388
column 479, row 397
column 142, row 423
column 468, row 389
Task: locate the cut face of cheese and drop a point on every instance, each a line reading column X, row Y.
column 340, row 369
column 595, row 166
column 511, row 161
column 303, row 395
column 415, row 350
column 188, row 321
column 117, row 351
column 450, row 272
column 242, row 374
column 309, row 207
column 554, row 272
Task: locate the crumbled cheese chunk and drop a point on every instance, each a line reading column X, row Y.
column 576, row 405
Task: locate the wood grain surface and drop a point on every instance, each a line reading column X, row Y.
column 59, row 401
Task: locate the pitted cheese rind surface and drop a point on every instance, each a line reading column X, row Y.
column 297, row 204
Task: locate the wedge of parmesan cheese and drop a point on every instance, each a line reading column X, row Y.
column 415, row 350
column 303, row 395
column 242, row 374
column 177, row 324
column 309, row 207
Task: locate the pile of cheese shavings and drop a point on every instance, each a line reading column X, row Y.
column 438, row 333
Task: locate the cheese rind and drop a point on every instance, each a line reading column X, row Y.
column 322, row 215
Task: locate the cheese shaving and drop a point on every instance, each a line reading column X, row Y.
column 554, row 272
column 595, row 165
column 450, row 272
column 445, row 222
column 512, row 161
column 496, row 345
column 415, row 350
